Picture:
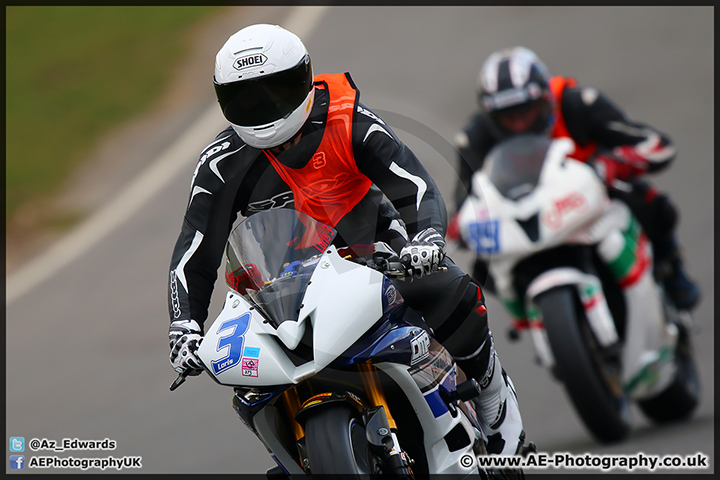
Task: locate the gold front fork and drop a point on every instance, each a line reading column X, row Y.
column 292, row 405
column 371, row 382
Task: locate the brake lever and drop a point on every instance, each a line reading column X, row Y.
column 395, row 270
column 179, row 380
column 182, row 377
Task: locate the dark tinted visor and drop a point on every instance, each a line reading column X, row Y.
column 526, row 111
column 263, row 100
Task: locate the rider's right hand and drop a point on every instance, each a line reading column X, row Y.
column 185, row 337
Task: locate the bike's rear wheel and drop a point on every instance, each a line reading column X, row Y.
column 591, row 380
column 679, row 400
column 336, row 443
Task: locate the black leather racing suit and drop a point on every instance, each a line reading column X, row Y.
column 590, row 116
column 233, row 178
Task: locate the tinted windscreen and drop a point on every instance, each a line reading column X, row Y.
column 271, row 256
column 516, row 164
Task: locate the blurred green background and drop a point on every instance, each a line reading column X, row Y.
column 74, row 73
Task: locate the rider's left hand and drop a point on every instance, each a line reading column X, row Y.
column 424, row 253
column 622, row 163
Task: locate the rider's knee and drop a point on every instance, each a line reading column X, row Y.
column 465, row 330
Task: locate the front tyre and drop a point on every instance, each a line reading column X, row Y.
column 591, row 379
column 497, row 474
column 336, row 443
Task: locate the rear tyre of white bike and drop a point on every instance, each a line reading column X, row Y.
column 679, row 400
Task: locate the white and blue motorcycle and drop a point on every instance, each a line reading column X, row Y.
column 572, row 266
column 331, row 370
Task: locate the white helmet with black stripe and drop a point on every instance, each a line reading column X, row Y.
column 514, row 91
column 264, row 84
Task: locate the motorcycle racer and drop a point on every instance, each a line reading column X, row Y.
column 516, row 94
column 304, row 141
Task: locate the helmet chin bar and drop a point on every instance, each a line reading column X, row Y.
column 260, row 137
column 266, row 132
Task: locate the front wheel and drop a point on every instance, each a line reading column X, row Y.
column 336, row 443
column 591, row 378
column 496, row 474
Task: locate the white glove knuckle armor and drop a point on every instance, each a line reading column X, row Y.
column 426, row 251
column 185, row 338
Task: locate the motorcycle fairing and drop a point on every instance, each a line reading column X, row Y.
column 434, row 374
column 567, row 198
column 340, row 302
column 325, row 300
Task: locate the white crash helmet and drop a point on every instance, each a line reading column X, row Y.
column 264, row 84
column 513, row 79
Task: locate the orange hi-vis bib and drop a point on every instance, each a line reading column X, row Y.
column 330, row 185
column 560, row 129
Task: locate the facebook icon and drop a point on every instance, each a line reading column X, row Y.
column 17, row 462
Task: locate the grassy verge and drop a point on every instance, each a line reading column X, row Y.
column 74, row 73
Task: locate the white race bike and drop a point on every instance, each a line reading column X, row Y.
column 573, row 267
column 331, row 370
